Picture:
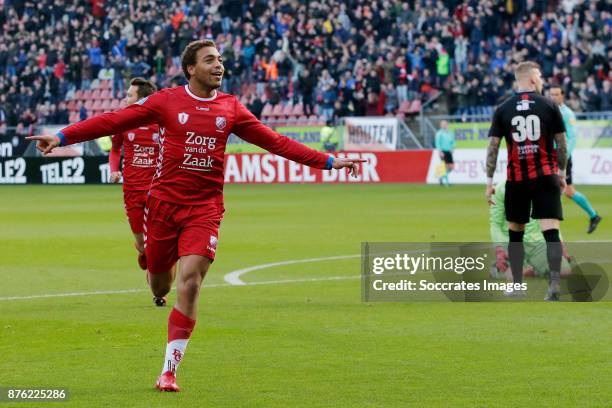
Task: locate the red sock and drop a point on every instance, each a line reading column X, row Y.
column 179, row 325
column 179, row 331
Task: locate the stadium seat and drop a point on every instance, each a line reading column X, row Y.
column 89, row 104
column 277, row 111
column 312, row 120
column 415, row 106
column 267, row 110
column 115, row 104
column 78, row 94
column 405, row 107
column 71, row 105
column 105, row 94
column 97, row 105
column 74, row 117
column 298, row 109
column 106, row 104
column 302, row 120
column 288, row 110
column 95, row 94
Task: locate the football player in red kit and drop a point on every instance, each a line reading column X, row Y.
column 185, row 204
column 141, row 148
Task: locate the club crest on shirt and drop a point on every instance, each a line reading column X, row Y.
column 212, row 246
column 220, row 122
column 131, row 136
column 182, row 118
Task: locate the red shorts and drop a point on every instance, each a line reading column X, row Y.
column 176, row 230
column 135, row 202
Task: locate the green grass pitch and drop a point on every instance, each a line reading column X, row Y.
column 301, row 344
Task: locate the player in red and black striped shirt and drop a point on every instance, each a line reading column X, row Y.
column 533, row 129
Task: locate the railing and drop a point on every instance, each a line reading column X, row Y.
column 596, row 127
column 428, row 142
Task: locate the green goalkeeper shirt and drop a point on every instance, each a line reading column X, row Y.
column 499, row 226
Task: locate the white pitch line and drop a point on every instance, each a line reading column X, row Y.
column 212, row 285
column 233, row 278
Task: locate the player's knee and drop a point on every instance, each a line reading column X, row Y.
column 190, row 287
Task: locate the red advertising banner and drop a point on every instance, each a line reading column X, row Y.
column 381, row 167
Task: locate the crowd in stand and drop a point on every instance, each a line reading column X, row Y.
column 338, row 58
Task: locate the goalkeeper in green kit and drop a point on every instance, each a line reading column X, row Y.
column 536, row 261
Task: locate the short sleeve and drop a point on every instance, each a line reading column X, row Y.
column 495, row 129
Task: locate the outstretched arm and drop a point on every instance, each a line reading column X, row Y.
column 249, row 128
column 141, row 113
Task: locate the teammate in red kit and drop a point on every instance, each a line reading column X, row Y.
column 185, row 206
column 141, row 148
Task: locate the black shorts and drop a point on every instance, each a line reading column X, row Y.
column 448, row 157
column 568, row 172
column 541, row 197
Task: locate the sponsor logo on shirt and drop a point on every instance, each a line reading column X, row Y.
column 183, row 117
column 143, row 156
column 523, row 105
column 197, row 152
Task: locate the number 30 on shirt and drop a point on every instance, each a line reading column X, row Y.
column 527, row 128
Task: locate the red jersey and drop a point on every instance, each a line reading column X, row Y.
column 140, row 151
column 193, row 132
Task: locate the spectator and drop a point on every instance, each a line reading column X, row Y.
column 63, row 115
column 390, row 98
column 119, row 67
column 82, row 111
column 606, row 96
column 255, row 105
column 416, row 46
column 306, row 86
column 94, row 52
column 328, row 99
